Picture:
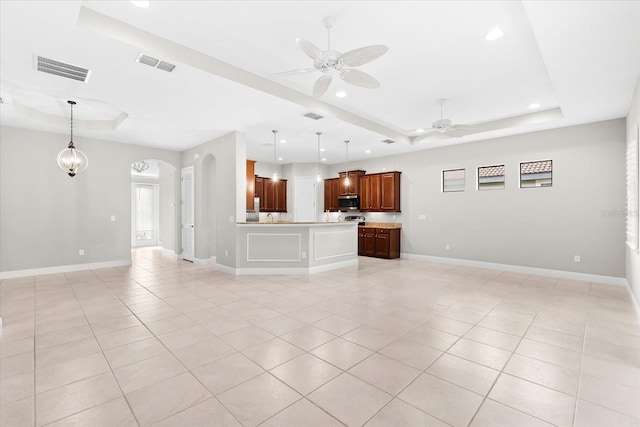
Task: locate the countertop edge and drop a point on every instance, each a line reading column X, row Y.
column 296, row 224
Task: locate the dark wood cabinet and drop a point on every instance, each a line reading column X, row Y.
column 390, row 192
column 273, row 195
column 259, row 191
column 379, row 242
column 281, row 195
column 331, row 193
column 380, row 192
column 354, row 182
column 367, row 241
column 251, row 183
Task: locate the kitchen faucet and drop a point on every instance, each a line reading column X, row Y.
column 270, row 215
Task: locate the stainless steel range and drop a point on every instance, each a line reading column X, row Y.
column 355, row 218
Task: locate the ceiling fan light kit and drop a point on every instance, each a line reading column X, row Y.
column 333, row 63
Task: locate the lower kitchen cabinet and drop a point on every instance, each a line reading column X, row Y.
column 379, row 242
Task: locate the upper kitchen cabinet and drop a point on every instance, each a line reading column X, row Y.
column 380, row 192
column 331, row 193
column 390, row 192
column 273, row 194
column 251, row 184
column 353, row 188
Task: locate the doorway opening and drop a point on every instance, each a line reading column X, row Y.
column 154, row 191
column 145, row 215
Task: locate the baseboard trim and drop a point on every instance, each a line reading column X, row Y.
column 609, row 280
column 170, row 252
column 634, row 301
column 284, row 270
column 63, row 269
column 204, row 261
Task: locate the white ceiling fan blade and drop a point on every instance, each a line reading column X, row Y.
column 321, row 86
column 430, row 137
column 310, row 49
column 359, row 78
column 362, row 55
column 294, row 72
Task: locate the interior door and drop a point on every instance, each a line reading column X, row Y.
column 305, row 199
column 188, row 216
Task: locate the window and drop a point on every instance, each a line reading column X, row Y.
column 536, row 174
column 453, row 180
column 491, row 177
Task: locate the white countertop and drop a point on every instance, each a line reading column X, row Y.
column 296, row 224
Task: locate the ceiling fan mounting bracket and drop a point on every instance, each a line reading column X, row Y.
column 329, row 22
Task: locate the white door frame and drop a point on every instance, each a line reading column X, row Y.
column 188, row 213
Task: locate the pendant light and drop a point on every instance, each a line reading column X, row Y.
column 274, row 178
column 71, row 160
column 318, row 177
column 347, row 181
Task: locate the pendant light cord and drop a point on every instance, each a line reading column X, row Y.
column 72, row 103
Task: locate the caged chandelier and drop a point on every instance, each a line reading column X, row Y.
column 71, row 160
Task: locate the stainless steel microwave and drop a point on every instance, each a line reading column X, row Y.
column 349, row 202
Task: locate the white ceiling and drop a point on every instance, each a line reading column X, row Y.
column 582, row 57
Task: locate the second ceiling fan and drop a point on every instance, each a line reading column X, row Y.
column 333, row 63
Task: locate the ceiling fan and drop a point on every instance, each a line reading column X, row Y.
column 444, row 128
column 332, row 63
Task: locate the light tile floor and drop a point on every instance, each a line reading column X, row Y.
column 389, row 343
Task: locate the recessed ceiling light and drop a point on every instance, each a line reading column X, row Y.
column 324, row 160
column 419, row 130
column 534, row 105
column 341, row 94
column 283, row 141
column 322, row 149
column 494, row 34
column 367, row 151
column 140, row 3
column 279, row 158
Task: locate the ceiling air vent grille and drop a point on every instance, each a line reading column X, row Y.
column 388, row 141
column 62, row 69
column 314, row 116
column 155, row 63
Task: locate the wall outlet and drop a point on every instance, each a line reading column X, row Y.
column 196, row 156
column 226, row 253
column 447, row 247
column 576, row 258
column 304, row 255
column 422, row 217
column 113, row 218
column 81, row 252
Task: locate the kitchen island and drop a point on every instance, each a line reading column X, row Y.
column 295, row 247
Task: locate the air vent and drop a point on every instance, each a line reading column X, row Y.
column 388, row 141
column 155, row 63
column 165, row 66
column 62, row 69
column 313, row 116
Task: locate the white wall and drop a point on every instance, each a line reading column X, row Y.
column 633, row 256
column 227, row 155
column 46, row 217
column 533, row 227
